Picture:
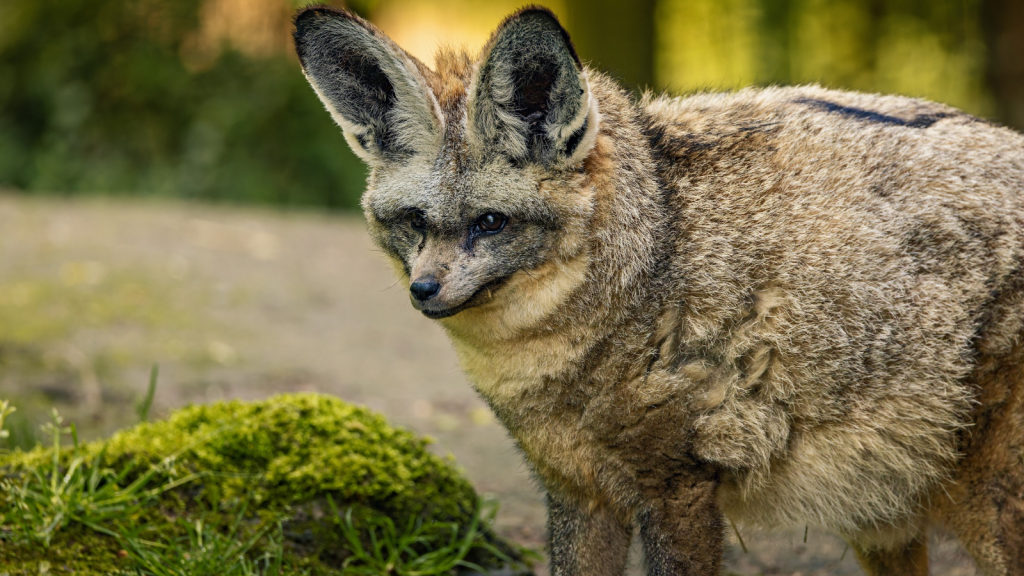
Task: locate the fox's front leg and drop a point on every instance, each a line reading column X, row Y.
column 584, row 541
column 683, row 531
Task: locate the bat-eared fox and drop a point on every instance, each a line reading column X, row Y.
column 776, row 306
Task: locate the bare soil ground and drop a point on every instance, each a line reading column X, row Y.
column 244, row 303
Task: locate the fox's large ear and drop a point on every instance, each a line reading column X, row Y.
column 373, row 89
column 530, row 98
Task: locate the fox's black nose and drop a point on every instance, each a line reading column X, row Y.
column 425, row 289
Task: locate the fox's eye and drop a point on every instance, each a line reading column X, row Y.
column 418, row 221
column 492, row 222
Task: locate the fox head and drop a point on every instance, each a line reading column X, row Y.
column 477, row 188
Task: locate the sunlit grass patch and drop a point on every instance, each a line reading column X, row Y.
column 78, row 335
column 74, row 490
column 86, row 295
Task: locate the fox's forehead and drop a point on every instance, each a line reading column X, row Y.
column 450, row 80
column 449, row 84
column 452, row 183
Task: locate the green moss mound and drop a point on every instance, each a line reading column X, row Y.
column 280, row 472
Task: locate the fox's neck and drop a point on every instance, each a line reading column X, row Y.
column 528, row 333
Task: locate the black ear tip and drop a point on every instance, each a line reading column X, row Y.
column 543, row 18
column 534, row 10
column 314, row 13
column 309, row 20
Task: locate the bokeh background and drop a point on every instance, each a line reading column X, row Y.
column 203, row 98
column 172, row 193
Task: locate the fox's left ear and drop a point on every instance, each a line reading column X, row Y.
column 530, row 98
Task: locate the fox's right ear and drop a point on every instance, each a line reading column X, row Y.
column 530, row 96
column 373, row 89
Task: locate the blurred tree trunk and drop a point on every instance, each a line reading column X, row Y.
column 616, row 36
column 1004, row 34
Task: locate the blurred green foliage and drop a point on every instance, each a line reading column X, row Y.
column 161, row 97
column 927, row 48
column 96, row 96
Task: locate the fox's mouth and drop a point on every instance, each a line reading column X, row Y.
column 482, row 295
column 438, row 314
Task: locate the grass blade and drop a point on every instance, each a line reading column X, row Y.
column 143, row 407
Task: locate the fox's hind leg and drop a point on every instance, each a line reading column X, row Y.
column 986, row 513
column 984, row 505
column 909, row 559
column 682, row 531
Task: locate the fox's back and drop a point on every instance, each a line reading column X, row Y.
column 842, row 201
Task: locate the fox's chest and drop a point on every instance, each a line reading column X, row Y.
column 605, row 450
column 504, row 372
column 566, row 457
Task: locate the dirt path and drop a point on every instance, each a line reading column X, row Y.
column 244, row 303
